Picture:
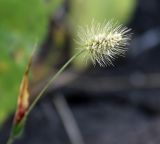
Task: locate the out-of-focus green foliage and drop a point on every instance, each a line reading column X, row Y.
column 22, row 24
column 84, row 11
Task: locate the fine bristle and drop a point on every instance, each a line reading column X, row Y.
column 104, row 42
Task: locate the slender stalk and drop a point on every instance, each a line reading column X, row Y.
column 54, row 77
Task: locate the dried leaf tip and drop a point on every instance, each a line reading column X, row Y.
column 23, row 98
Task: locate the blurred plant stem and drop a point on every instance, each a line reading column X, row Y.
column 68, row 119
column 12, row 137
column 10, row 141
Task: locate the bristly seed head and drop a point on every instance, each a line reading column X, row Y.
column 104, row 42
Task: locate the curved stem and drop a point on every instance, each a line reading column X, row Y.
column 52, row 80
column 54, row 77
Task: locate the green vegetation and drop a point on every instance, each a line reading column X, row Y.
column 22, row 24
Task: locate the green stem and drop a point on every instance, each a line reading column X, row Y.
column 54, row 77
column 10, row 140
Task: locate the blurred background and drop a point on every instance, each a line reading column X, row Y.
column 86, row 104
